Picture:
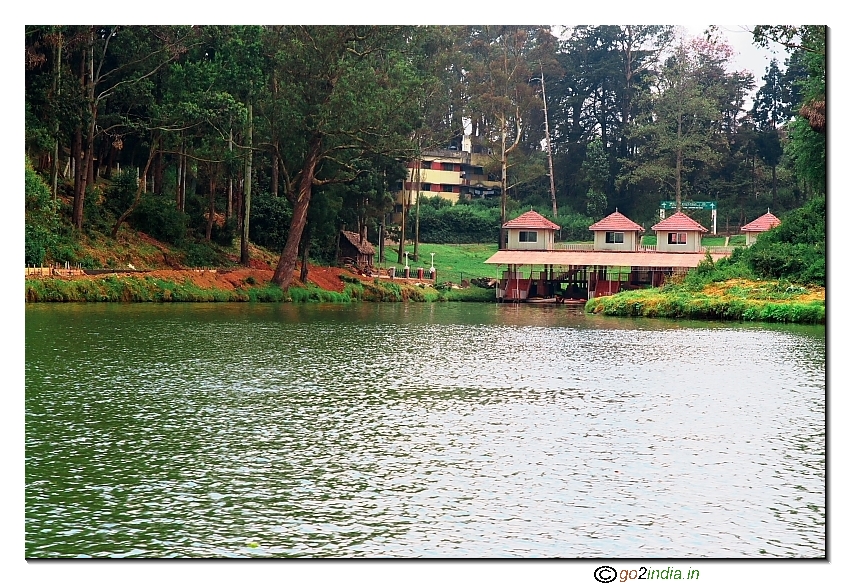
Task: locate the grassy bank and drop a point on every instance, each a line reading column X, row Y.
column 734, row 299
column 117, row 288
column 452, row 262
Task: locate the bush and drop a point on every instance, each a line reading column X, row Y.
column 158, row 217
column 269, row 222
column 199, row 254
column 794, row 250
column 41, row 220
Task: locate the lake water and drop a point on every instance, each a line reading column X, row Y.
column 419, row 430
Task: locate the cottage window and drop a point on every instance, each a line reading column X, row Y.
column 613, row 237
column 677, row 238
column 528, row 236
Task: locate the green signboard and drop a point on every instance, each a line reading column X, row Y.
column 689, row 204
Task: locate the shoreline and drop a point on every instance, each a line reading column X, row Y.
column 731, row 300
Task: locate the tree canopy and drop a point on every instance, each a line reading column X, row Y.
column 285, row 134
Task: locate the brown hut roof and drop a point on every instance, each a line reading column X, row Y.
column 365, row 247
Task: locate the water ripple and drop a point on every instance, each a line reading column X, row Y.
column 419, row 431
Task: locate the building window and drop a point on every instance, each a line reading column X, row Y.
column 447, row 166
column 426, row 165
column 528, row 236
column 677, row 238
column 613, row 237
column 426, row 186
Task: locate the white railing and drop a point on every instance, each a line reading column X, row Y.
column 574, row 246
column 647, row 248
column 717, row 249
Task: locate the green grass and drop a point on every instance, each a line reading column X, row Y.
column 769, row 302
column 452, row 262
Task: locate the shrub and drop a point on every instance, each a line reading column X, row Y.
column 158, row 217
column 200, row 254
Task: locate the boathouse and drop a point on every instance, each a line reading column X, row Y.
column 755, row 228
column 560, row 272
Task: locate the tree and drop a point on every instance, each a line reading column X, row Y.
column 347, row 91
column 681, row 137
column 501, row 96
column 597, row 174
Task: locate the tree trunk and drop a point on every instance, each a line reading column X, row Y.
column 679, row 163
column 159, row 170
column 57, row 84
column 286, row 266
column 244, row 259
column 77, row 155
column 418, row 196
column 229, row 211
column 773, row 198
column 405, row 198
column 275, row 171
column 139, row 189
column 548, row 147
column 211, row 210
column 305, row 253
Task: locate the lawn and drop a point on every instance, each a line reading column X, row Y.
column 452, row 262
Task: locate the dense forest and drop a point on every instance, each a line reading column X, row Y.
column 204, row 136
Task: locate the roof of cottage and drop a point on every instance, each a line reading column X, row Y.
column 679, row 222
column 616, row 221
column 365, row 247
column 531, row 220
column 763, row 223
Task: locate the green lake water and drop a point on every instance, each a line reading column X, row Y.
column 419, row 430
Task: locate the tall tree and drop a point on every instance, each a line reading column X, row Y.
column 348, row 89
column 501, row 94
column 680, row 137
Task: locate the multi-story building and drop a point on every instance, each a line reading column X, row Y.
column 451, row 174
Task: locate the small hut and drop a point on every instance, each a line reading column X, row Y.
column 353, row 251
column 764, row 223
column 530, row 231
column 616, row 232
column 678, row 233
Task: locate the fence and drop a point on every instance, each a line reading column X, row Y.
column 574, row 246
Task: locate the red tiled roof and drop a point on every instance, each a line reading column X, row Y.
column 531, row 220
column 616, row 221
column 763, row 223
column 679, row 222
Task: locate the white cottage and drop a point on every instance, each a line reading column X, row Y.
column 616, row 232
column 531, row 231
column 679, row 233
column 755, row 228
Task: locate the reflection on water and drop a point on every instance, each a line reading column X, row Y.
column 419, row 430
